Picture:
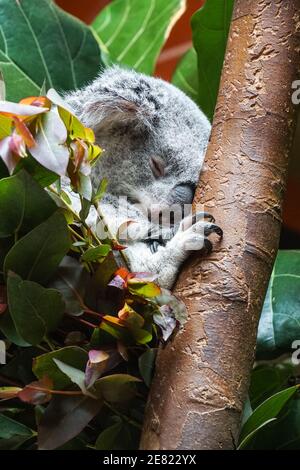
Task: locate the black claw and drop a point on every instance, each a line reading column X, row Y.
column 213, row 229
column 201, row 216
column 154, row 246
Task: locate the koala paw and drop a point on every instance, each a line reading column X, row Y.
column 194, row 231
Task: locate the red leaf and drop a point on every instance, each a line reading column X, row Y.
column 24, row 132
column 38, row 392
column 10, row 159
column 39, row 101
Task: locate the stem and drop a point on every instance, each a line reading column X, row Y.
column 83, row 322
column 54, row 392
column 95, row 314
column 111, row 237
column 76, row 234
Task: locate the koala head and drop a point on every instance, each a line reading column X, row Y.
column 153, row 135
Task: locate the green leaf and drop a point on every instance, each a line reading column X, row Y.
column 267, row 411
column 71, row 280
column 144, row 289
column 76, row 376
column 94, row 254
column 40, row 42
column 267, row 380
column 279, row 325
column 37, row 255
column 23, row 205
column 115, row 437
column 210, row 27
column 5, row 126
column 8, row 328
column 281, row 434
column 116, row 388
column 12, row 433
column 186, row 75
column 39, row 173
column 64, row 419
column 45, row 365
column 10, row 428
column 247, row 440
column 35, row 311
column 101, row 190
column 134, row 32
column 147, row 364
column 50, row 149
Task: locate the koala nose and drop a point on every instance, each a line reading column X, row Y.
column 183, row 193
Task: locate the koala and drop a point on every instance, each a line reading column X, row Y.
column 154, row 139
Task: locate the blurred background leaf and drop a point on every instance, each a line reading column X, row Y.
column 134, row 32
column 56, row 48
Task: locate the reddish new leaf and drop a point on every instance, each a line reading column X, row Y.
column 38, row 392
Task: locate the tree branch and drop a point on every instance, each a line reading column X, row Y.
column 202, row 376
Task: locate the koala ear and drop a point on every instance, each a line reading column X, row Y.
column 116, row 97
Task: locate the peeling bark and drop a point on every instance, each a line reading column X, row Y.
column 202, row 375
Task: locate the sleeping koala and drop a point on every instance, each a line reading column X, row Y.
column 154, row 138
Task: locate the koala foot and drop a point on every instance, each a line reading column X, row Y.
column 194, row 230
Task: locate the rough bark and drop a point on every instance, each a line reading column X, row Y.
column 202, row 376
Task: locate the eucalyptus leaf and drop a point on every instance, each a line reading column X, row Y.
column 94, row 254
column 282, row 433
column 186, row 75
column 210, row 27
column 23, row 205
column 57, row 48
column 10, row 428
column 8, row 328
column 71, row 280
column 279, row 325
column 65, row 418
column 134, row 32
column 147, row 364
column 39, row 173
column 115, row 437
column 50, row 149
column 267, row 411
column 37, row 255
column 116, row 388
column 35, row 310
column 267, row 380
column 76, row 376
column 45, row 365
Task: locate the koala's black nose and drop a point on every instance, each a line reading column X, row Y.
column 183, row 193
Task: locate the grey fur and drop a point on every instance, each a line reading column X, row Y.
column 136, row 117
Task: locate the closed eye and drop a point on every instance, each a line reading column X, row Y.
column 157, row 166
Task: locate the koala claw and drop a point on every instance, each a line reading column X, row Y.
column 154, row 246
column 212, row 228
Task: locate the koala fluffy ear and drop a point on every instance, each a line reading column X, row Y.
column 116, row 97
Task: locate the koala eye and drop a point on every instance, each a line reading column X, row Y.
column 157, row 166
column 183, row 193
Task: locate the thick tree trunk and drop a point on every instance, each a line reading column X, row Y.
column 202, row 376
